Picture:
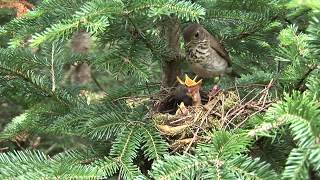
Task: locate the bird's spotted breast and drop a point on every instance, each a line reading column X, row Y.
column 205, row 61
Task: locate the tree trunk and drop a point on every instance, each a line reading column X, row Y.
column 171, row 68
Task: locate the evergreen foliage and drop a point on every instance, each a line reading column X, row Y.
column 129, row 46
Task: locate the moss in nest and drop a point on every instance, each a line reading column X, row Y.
column 231, row 99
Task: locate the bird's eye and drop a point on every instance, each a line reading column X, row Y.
column 197, row 34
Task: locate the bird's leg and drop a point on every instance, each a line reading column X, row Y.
column 216, row 80
column 215, row 89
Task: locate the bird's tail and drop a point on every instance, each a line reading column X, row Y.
column 233, row 73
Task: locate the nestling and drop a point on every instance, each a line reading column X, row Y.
column 193, row 89
column 205, row 55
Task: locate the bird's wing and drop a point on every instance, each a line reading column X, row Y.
column 220, row 49
column 224, row 54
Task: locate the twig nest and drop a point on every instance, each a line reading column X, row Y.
column 225, row 110
column 181, row 127
column 226, row 100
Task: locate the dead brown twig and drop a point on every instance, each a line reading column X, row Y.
column 198, row 129
column 236, row 111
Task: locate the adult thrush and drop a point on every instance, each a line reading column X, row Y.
column 205, row 55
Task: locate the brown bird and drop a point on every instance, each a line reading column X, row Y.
column 205, row 55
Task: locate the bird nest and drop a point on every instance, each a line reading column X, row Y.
column 223, row 110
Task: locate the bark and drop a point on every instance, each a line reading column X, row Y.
column 171, row 68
